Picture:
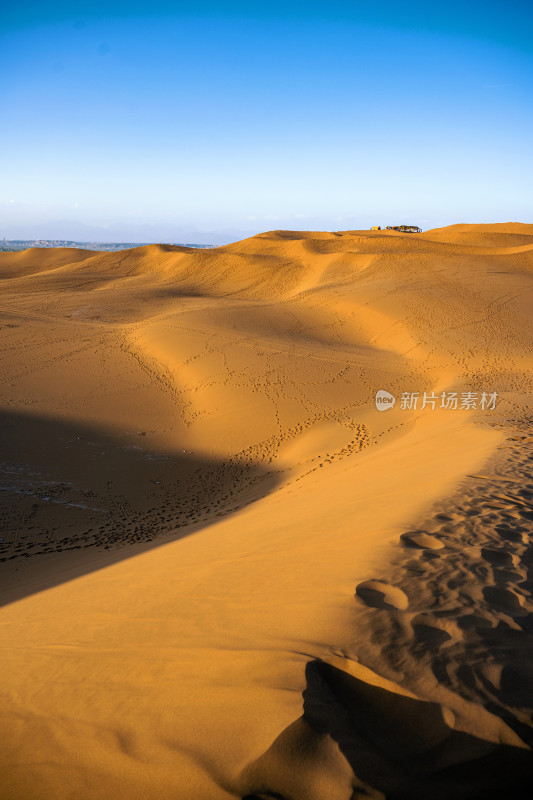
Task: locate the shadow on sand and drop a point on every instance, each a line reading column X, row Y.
column 394, row 747
column 75, row 498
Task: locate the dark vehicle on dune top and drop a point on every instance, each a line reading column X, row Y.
column 404, row 228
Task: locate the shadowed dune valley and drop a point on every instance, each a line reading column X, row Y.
column 266, row 516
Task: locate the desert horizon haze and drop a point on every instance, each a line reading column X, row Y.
column 227, row 572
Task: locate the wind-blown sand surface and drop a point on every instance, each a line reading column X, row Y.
column 225, row 573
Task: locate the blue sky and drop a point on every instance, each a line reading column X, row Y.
column 173, row 119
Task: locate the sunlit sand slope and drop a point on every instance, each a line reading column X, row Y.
column 225, row 573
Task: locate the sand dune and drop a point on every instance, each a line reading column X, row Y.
column 225, row 573
column 29, row 262
column 505, row 234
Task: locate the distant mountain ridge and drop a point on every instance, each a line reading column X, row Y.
column 25, row 244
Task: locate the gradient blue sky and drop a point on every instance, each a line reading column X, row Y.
column 178, row 118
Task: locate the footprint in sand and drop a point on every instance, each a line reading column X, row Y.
column 504, row 600
column 433, row 525
column 474, row 622
column 513, row 533
column 448, row 517
column 428, row 631
column 499, row 558
column 379, row 594
column 422, row 540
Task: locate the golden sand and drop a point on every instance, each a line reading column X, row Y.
column 225, row 574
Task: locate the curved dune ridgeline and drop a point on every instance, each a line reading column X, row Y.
column 224, row 572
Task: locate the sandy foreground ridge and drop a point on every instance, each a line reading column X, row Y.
column 224, row 572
